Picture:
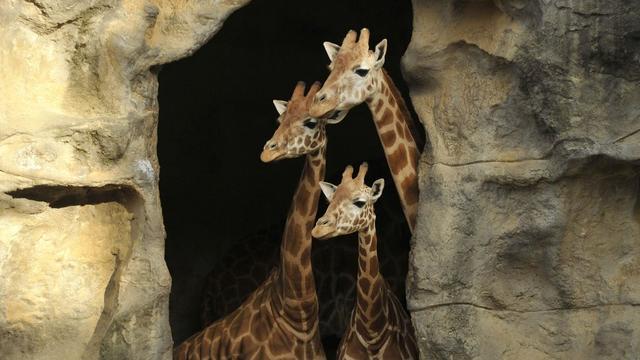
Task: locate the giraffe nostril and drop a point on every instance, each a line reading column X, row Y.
column 270, row 145
column 321, row 97
column 323, row 221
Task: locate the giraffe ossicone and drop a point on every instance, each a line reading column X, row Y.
column 357, row 76
column 379, row 327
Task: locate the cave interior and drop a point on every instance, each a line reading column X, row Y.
column 216, row 113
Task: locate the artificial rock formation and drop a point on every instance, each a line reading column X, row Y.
column 528, row 238
column 528, row 235
column 81, row 235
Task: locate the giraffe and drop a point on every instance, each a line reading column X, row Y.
column 279, row 320
column 379, row 327
column 357, row 76
column 241, row 270
column 247, row 263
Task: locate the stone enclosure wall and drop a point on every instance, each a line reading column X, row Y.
column 528, row 242
column 82, row 242
column 528, row 238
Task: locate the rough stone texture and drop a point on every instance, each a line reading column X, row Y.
column 49, row 258
column 528, row 239
column 82, row 244
column 529, row 227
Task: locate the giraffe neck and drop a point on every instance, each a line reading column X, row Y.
column 371, row 300
column 296, row 275
column 394, row 126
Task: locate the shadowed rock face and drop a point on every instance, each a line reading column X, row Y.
column 81, row 234
column 527, row 244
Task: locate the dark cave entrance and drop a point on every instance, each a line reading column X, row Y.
column 215, row 116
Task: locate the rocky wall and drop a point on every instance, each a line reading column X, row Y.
column 527, row 244
column 81, row 234
column 529, row 226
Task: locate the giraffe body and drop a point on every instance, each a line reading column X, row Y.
column 261, row 328
column 243, row 268
column 280, row 319
column 379, row 327
column 248, row 262
column 357, row 76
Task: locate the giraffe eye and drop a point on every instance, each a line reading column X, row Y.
column 359, row 203
column 310, row 123
column 362, row 72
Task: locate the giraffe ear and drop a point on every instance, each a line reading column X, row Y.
column 331, row 49
column 281, row 106
column 337, row 116
column 376, row 188
column 380, row 53
column 327, row 189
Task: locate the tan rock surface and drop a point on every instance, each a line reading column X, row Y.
column 58, row 264
column 82, row 249
column 528, row 233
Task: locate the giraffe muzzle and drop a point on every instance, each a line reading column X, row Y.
column 323, row 105
column 323, row 229
column 271, row 152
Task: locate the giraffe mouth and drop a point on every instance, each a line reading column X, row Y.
column 269, row 155
column 322, row 232
column 327, row 115
column 335, row 116
column 323, row 110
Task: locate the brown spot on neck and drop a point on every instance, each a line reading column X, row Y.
column 402, row 107
column 379, row 106
column 385, row 119
column 410, row 190
column 365, row 284
column 398, row 159
column 392, row 101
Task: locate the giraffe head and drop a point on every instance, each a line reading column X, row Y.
column 356, row 74
column 298, row 133
column 350, row 205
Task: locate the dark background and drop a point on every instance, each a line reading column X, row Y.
column 216, row 114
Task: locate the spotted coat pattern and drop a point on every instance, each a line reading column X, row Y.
column 280, row 319
column 379, row 327
column 357, row 76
